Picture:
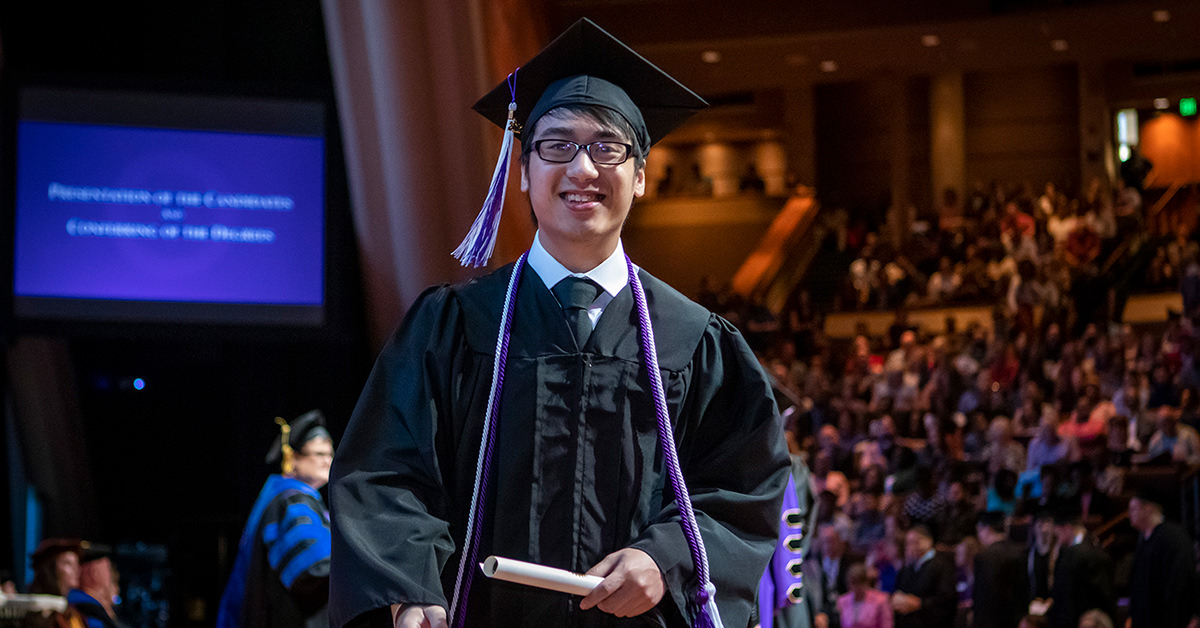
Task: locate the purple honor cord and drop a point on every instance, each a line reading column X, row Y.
column 483, row 465
column 707, row 615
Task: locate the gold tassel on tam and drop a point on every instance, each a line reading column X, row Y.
column 289, row 456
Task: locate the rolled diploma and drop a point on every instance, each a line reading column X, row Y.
column 539, row 576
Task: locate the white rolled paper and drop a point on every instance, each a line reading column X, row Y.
column 33, row 603
column 539, row 576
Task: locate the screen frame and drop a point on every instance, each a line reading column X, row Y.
column 228, row 108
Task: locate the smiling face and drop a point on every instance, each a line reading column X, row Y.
column 580, row 206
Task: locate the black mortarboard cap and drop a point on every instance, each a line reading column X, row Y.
column 1068, row 512
column 1155, row 494
column 584, row 66
column 94, row 551
column 304, row 428
column 992, row 519
column 587, row 66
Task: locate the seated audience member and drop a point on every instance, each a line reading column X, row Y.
column 1088, row 423
column 863, row 606
column 869, row 523
column 1095, row 618
column 832, row 563
column 825, row 478
column 958, row 522
column 1179, row 442
column 56, row 572
column 926, row 505
column 1048, row 447
column 1002, row 494
column 1002, row 452
column 1119, row 453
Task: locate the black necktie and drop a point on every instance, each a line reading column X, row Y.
column 576, row 294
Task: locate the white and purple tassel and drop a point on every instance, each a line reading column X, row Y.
column 476, row 248
column 709, row 616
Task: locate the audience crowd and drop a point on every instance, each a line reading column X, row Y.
column 996, row 475
column 1015, row 247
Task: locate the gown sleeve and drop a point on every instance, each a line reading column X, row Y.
column 736, row 466
column 390, row 508
column 296, row 537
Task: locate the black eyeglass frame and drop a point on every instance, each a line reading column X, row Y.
column 537, row 148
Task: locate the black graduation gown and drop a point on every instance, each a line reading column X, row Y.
column 1083, row 580
column 935, row 583
column 577, row 472
column 281, row 576
column 1000, row 597
column 1162, row 589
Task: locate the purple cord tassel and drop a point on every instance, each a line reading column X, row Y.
column 476, row 248
column 483, row 466
column 707, row 614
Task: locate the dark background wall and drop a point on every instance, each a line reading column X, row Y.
column 173, row 468
column 1023, row 125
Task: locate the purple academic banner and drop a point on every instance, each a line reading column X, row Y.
column 151, row 214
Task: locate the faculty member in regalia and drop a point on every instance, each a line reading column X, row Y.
column 281, row 576
column 568, row 409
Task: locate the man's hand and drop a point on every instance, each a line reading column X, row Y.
column 419, row 616
column 903, row 603
column 632, row 584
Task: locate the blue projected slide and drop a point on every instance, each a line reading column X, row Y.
column 153, row 214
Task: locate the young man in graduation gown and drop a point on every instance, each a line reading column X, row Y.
column 1083, row 575
column 577, row 478
column 1162, row 585
column 281, row 576
column 1000, row 597
column 925, row 595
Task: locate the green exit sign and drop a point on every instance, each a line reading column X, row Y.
column 1187, row 106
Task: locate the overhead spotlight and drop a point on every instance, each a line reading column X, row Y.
column 829, row 65
column 710, row 56
column 931, row 41
column 1059, row 45
column 1162, row 103
column 1162, row 16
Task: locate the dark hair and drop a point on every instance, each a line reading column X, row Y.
column 45, row 574
column 609, row 119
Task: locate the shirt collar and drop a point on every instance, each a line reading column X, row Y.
column 925, row 558
column 611, row 274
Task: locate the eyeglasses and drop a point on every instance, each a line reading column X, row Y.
column 602, row 153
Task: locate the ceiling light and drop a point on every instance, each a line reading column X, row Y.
column 829, row 65
column 1161, row 16
column 1059, row 45
column 710, row 56
column 931, row 41
column 1162, row 103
